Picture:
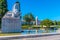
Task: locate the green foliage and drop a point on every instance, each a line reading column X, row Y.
column 46, row 22
column 3, row 8
column 25, row 26
column 55, row 22
column 58, row 23
column 28, row 18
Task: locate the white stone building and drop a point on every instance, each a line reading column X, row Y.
column 11, row 22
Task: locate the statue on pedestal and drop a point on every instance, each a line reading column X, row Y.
column 11, row 22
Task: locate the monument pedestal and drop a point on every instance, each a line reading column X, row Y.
column 11, row 25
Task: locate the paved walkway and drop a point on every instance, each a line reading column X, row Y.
column 45, row 36
column 54, row 37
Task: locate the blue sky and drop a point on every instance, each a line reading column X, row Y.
column 42, row 8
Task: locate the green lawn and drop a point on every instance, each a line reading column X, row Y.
column 9, row 34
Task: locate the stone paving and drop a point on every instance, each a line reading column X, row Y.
column 52, row 37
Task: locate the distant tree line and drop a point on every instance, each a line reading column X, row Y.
column 29, row 17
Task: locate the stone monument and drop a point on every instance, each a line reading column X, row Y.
column 11, row 22
column 37, row 21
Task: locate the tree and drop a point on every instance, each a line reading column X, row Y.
column 28, row 18
column 58, row 23
column 3, row 8
column 55, row 22
column 46, row 22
